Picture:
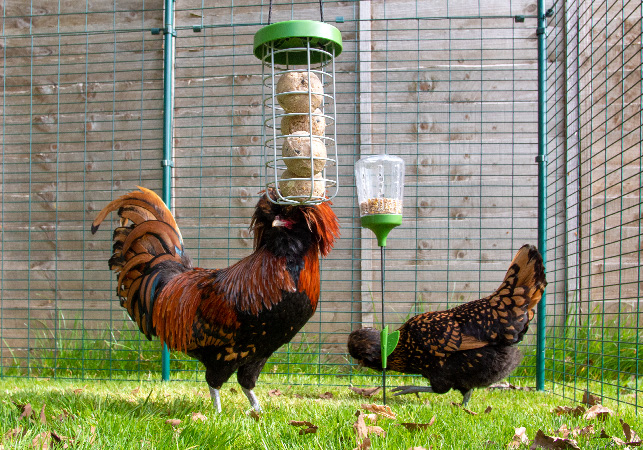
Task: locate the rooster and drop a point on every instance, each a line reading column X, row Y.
column 466, row 347
column 230, row 319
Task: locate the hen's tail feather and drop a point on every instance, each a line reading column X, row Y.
column 146, row 244
column 527, row 273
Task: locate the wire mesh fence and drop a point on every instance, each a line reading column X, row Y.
column 595, row 144
column 449, row 88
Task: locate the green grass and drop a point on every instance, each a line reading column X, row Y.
column 127, row 414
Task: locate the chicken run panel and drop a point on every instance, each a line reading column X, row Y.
column 449, row 88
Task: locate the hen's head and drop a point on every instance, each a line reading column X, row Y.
column 364, row 345
column 288, row 229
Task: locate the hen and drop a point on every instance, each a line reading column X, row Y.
column 230, row 319
column 466, row 347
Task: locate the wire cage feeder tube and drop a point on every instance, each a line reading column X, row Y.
column 299, row 133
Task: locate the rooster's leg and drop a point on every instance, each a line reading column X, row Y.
column 253, row 399
column 216, row 398
column 466, row 397
column 403, row 390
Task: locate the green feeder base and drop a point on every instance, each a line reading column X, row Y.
column 381, row 225
column 293, row 34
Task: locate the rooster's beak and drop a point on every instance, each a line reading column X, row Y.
column 279, row 222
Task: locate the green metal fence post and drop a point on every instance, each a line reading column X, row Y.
column 168, row 108
column 542, row 185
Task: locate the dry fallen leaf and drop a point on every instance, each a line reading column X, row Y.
column 630, row 435
column 365, row 392
column 233, row 390
column 487, row 409
column 26, row 411
column 360, row 427
column 173, row 422
column 326, row 395
column 382, row 410
column 274, row 393
column 572, row 411
column 43, row 417
column 255, row 415
column 520, row 437
column 371, row 417
column 563, row 431
column 617, row 441
column 42, row 441
column 590, row 400
column 364, row 445
column 598, row 412
column 298, row 396
column 377, row 431
column 78, row 390
column 198, row 416
column 585, row 431
column 541, row 440
column 468, row 411
column 15, row 432
column 135, row 391
column 310, row 428
column 412, row 426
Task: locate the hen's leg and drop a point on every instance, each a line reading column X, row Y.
column 403, row 390
column 466, row 397
column 247, row 377
column 216, row 398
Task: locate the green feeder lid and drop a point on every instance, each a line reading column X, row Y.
column 293, row 34
column 381, row 225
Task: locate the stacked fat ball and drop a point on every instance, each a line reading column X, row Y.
column 300, row 95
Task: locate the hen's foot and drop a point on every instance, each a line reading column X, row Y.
column 403, row 390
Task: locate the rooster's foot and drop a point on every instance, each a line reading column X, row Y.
column 252, row 398
column 403, row 390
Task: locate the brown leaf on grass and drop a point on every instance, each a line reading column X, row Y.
column 310, row 427
column 135, row 391
column 598, row 412
column 274, row 393
column 520, row 438
column 196, row 416
column 173, row 422
column 43, row 417
column 78, row 390
column 365, row 392
column 64, row 416
column 233, row 390
column 25, row 411
column 468, row 411
column 563, row 431
column 255, row 415
column 42, row 441
column 382, row 410
column 541, row 440
column 361, row 430
column 617, row 441
column 487, row 409
column 326, row 395
column 412, row 426
column 57, row 438
column 572, row 411
column 15, row 432
column 377, row 431
column 585, row 431
column 364, row 445
column 630, row 435
column 298, row 396
column 590, row 399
